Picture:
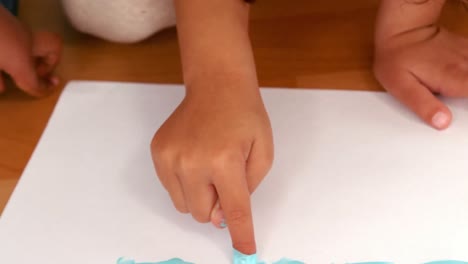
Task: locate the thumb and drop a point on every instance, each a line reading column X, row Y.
column 34, row 74
column 421, row 101
column 217, row 216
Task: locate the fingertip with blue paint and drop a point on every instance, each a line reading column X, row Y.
column 240, row 258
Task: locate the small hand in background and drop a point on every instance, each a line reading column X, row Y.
column 28, row 58
column 417, row 65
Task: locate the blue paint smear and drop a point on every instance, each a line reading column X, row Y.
column 239, row 258
column 288, row 261
column 447, row 262
column 433, row 262
column 371, row 263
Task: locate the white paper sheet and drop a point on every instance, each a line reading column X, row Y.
column 356, row 178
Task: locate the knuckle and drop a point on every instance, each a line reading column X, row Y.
column 19, row 71
column 54, row 40
column 268, row 160
column 265, row 168
column 161, row 153
column 181, row 208
column 208, row 163
column 237, row 217
column 155, row 144
column 189, row 163
column 178, row 203
column 225, row 159
column 201, row 217
column 452, row 68
column 453, row 80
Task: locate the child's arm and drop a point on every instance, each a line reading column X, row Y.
column 415, row 58
column 29, row 59
column 218, row 143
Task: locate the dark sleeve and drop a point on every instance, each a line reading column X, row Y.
column 11, row 5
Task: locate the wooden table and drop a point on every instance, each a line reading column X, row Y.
column 301, row 43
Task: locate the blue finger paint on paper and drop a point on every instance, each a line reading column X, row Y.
column 239, row 258
column 433, row 262
column 171, row 261
column 378, row 262
column 288, row 261
column 447, row 262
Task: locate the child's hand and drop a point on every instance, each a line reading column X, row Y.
column 29, row 59
column 216, row 145
column 415, row 58
column 417, row 64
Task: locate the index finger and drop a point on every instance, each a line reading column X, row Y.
column 234, row 197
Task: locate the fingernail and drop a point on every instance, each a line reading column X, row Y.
column 223, row 223
column 440, row 120
column 219, row 216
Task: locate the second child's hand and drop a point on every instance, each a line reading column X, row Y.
column 28, row 58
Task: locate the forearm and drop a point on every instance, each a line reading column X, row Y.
column 214, row 42
column 396, row 17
